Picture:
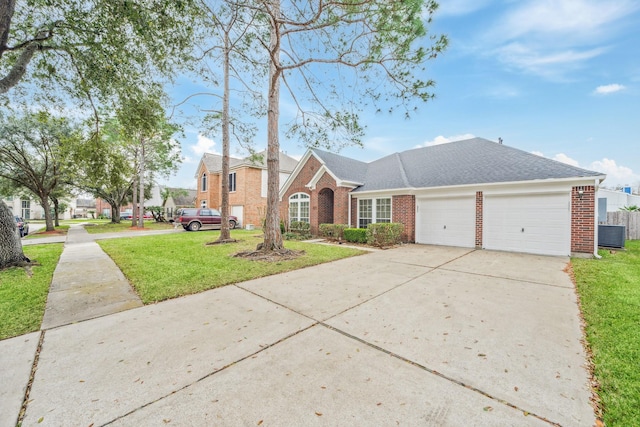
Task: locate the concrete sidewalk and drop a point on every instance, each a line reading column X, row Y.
column 86, row 283
column 418, row 335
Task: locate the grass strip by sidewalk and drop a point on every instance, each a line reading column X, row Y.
column 609, row 291
column 171, row 265
column 23, row 298
column 61, row 230
column 109, row 227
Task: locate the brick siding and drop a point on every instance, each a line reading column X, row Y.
column 583, row 213
column 479, row 216
column 403, row 209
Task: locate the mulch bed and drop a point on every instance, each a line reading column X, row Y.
column 270, row 256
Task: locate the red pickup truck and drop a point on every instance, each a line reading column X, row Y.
column 193, row 219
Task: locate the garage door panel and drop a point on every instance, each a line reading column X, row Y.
column 449, row 222
column 538, row 224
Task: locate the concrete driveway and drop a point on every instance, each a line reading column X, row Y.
column 418, row 335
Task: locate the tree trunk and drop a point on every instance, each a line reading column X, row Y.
column 141, row 191
column 272, row 234
column 115, row 212
column 44, row 200
column 225, row 234
column 56, row 212
column 10, row 245
column 134, row 209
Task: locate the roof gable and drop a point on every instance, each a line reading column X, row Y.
column 213, row 162
column 344, row 168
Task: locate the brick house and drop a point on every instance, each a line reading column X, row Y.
column 247, row 184
column 474, row 193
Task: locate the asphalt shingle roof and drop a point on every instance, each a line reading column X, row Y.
column 472, row 161
column 344, row 168
column 213, row 162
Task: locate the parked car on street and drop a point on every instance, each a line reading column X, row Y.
column 129, row 215
column 23, row 227
column 193, row 219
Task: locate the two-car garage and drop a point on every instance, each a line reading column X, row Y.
column 538, row 223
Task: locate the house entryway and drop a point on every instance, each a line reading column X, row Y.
column 325, row 206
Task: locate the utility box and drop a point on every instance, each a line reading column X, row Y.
column 611, row 236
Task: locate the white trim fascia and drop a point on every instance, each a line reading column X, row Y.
column 339, row 183
column 200, row 163
column 595, row 219
column 533, row 186
column 311, row 185
column 349, row 210
column 296, row 171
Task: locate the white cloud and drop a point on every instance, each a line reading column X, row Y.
column 583, row 20
column 204, row 145
column 607, row 89
column 616, row 174
column 445, row 139
column 563, row 158
column 552, row 37
column 537, row 59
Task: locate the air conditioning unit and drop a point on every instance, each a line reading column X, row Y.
column 611, row 236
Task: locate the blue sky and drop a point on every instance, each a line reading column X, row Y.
column 557, row 78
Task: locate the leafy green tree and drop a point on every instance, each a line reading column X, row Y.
column 90, row 52
column 313, row 45
column 103, row 167
column 146, row 130
column 230, row 30
column 31, row 155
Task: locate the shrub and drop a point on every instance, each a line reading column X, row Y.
column 355, row 235
column 301, row 229
column 384, row 234
column 333, row 231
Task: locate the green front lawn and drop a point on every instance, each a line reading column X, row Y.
column 58, row 231
column 125, row 225
column 168, row 266
column 609, row 291
column 23, row 298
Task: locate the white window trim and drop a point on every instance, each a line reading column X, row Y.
column 307, row 199
column 235, row 182
column 374, row 205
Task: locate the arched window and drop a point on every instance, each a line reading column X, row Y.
column 204, row 182
column 299, row 207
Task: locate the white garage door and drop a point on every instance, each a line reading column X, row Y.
column 450, row 222
column 537, row 224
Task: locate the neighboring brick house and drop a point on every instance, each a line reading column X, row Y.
column 472, row 193
column 247, row 184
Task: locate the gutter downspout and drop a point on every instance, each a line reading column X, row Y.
column 349, row 211
column 595, row 219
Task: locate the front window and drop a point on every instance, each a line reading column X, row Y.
column 26, row 209
column 366, row 212
column 232, row 182
column 383, row 210
column 203, row 184
column 373, row 211
column 299, row 208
